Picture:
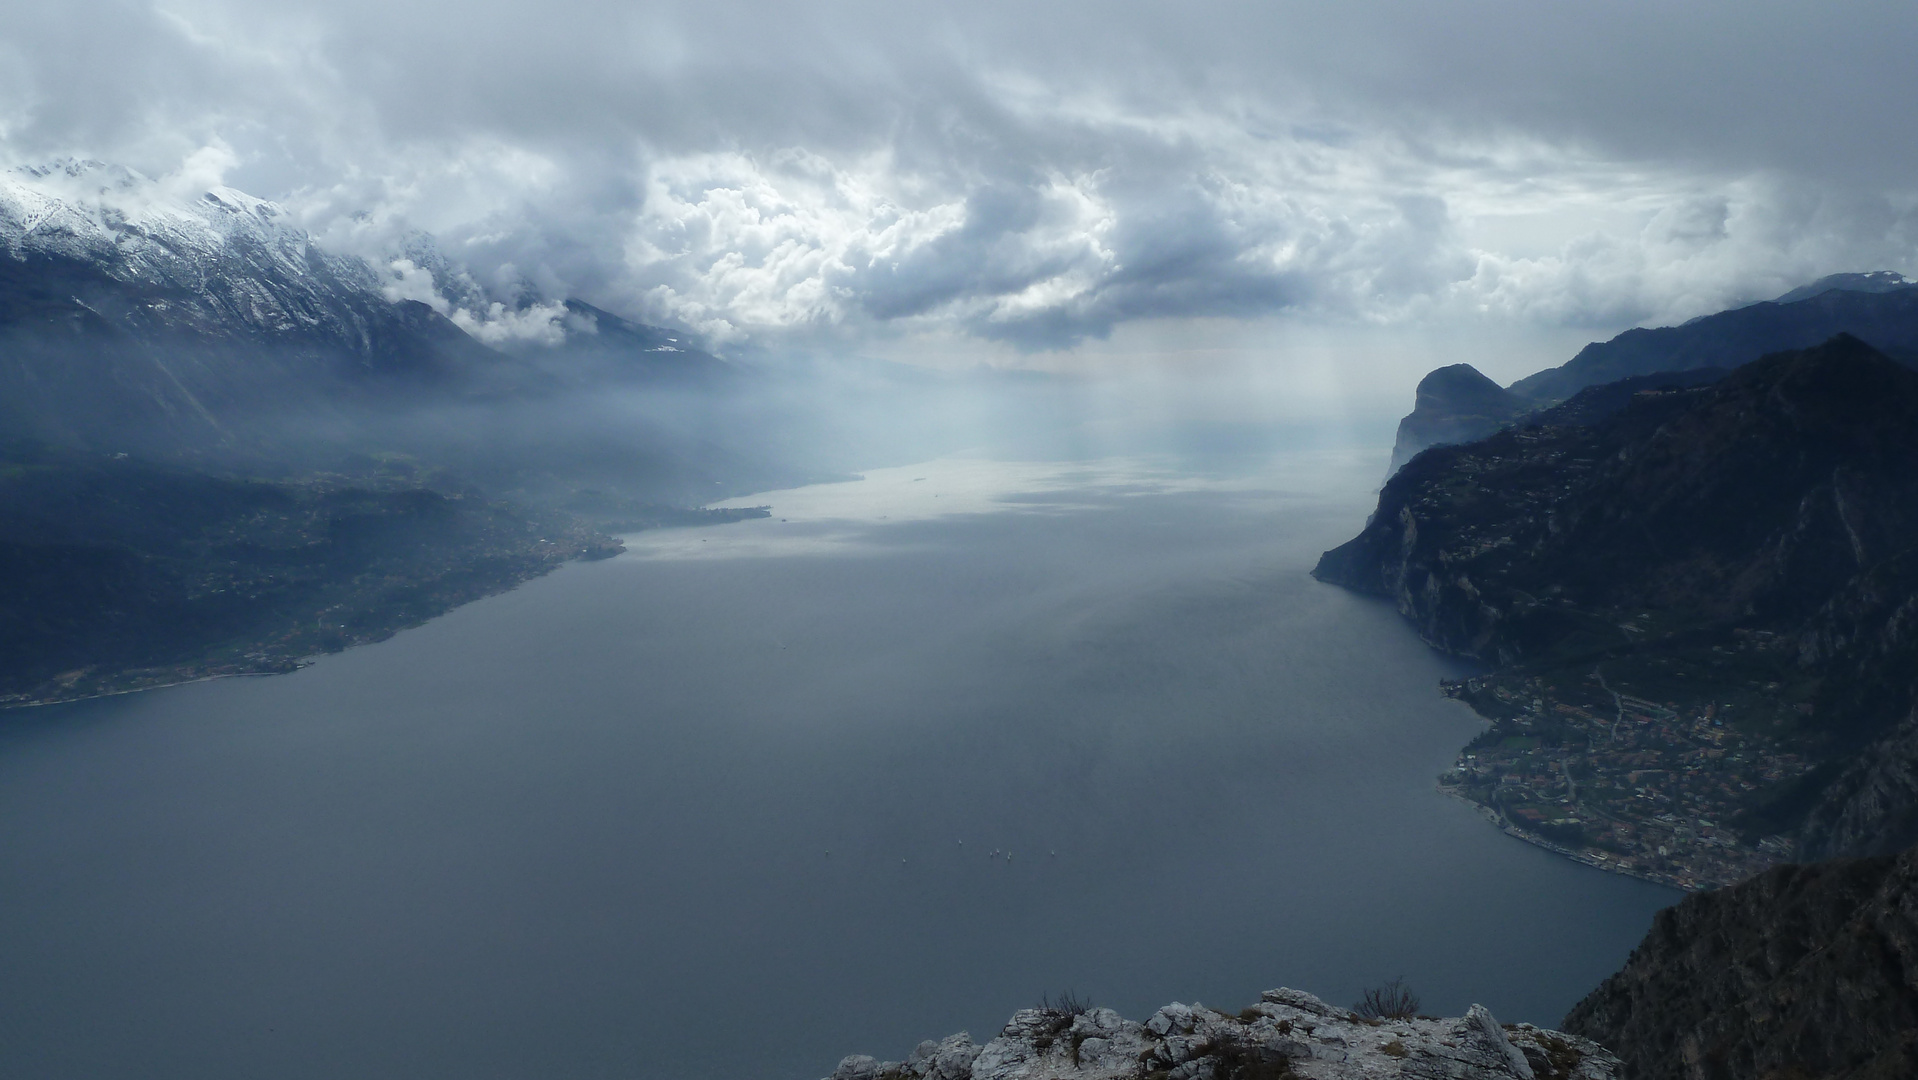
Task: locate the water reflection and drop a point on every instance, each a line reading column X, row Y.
column 836, row 518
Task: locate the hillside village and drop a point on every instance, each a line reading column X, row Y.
column 1659, row 783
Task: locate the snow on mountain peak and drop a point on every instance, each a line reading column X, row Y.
column 135, row 225
column 192, row 237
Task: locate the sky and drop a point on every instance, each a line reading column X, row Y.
column 1360, row 190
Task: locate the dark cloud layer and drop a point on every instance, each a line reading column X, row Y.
column 1028, row 175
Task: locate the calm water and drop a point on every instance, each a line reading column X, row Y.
column 582, row 829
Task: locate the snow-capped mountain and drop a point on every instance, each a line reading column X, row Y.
column 220, row 265
column 134, row 313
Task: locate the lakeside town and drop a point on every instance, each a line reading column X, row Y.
column 1638, row 766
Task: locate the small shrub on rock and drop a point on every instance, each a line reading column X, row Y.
column 1392, row 1001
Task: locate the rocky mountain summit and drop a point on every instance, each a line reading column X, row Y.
column 1808, row 972
column 1289, row 1033
column 1455, row 404
column 1875, row 281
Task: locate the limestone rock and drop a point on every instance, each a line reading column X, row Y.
column 1288, row 1034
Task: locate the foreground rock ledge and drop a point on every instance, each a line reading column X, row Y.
column 1289, row 1033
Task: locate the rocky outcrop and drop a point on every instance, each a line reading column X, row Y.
column 1289, row 1033
column 1808, row 972
column 1866, row 640
column 1455, row 404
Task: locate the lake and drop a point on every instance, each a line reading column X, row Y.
column 906, row 756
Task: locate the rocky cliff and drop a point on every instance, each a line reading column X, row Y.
column 1760, row 496
column 1455, row 404
column 1807, row 972
column 1702, row 608
column 1289, row 1033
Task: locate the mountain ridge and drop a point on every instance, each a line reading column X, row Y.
column 1744, row 543
column 1880, row 307
column 133, row 318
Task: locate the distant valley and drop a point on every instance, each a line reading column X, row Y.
column 223, row 447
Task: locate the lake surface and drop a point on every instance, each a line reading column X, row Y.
column 727, row 806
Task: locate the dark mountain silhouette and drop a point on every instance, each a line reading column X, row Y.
column 1782, row 499
column 1879, row 307
column 116, row 573
column 1886, row 318
column 1876, row 281
column 1455, row 404
column 1804, row 971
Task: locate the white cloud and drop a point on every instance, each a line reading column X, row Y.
column 852, row 171
column 540, row 324
column 491, row 321
column 1209, row 219
column 407, row 281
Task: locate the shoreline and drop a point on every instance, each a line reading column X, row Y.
column 36, row 703
column 199, row 671
column 1499, row 822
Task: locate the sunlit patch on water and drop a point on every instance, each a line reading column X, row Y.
column 836, row 518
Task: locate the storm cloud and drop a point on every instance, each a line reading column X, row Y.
column 1025, row 179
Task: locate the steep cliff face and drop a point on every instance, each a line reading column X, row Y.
column 1289, row 1033
column 1866, row 640
column 1761, row 496
column 1872, row 807
column 1808, row 972
column 1455, row 404
column 1750, row 543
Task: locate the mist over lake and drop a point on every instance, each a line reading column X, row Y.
column 895, row 761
